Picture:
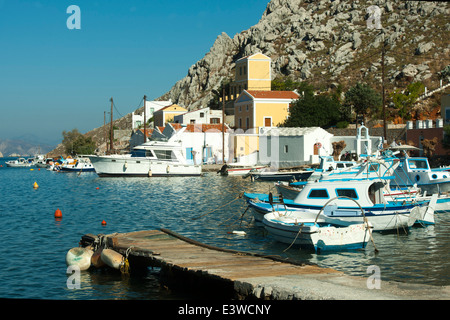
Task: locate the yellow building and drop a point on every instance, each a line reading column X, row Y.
column 166, row 114
column 256, row 109
column 251, row 73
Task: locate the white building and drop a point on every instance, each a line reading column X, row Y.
column 150, row 108
column 200, row 116
column 201, row 143
column 361, row 144
column 291, row 147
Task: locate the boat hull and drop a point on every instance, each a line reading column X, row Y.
column 288, row 230
column 381, row 221
column 141, row 167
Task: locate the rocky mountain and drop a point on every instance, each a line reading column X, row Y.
column 327, row 43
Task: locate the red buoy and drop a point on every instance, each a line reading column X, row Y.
column 103, row 223
column 58, row 214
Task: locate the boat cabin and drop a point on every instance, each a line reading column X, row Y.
column 366, row 192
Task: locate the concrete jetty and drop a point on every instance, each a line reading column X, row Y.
column 242, row 275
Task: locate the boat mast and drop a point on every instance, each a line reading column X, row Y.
column 111, row 134
column 223, row 126
column 145, row 120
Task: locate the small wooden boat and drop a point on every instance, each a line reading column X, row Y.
column 80, row 257
column 234, row 169
column 112, row 258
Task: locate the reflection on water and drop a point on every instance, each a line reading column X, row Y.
column 205, row 208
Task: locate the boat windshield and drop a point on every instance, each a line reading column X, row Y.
column 164, row 154
column 141, row 153
column 418, row 164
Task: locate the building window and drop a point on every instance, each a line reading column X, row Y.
column 214, row 120
column 240, row 122
column 447, row 115
column 267, row 121
column 202, row 114
column 240, row 71
column 286, row 149
column 247, row 122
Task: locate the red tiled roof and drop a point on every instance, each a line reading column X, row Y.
column 273, row 94
column 205, row 127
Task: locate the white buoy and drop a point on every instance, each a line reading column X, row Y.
column 80, row 257
column 112, row 258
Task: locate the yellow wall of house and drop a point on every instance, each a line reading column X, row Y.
column 259, row 85
column 242, row 113
column 160, row 118
column 278, row 112
column 252, row 74
column 245, row 144
column 259, row 69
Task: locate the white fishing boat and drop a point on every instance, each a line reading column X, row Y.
column 151, row 159
column 322, row 234
column 19, row 163
column 79, row 164
column 44, row 163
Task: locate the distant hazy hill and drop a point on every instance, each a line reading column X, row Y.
column 22, row 147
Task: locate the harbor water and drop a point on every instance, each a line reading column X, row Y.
column 207, row 209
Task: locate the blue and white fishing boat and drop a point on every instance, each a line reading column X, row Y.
column 79, row 164
column 336, row 194
column 416, row 171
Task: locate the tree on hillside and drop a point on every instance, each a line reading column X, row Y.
column 76, row 143
column 282, row 84
column 313, row 111
column 404, row 101
column 363, row 99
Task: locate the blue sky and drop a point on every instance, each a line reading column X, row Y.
column 54, row 79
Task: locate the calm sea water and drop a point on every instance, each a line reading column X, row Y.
column 34, row 245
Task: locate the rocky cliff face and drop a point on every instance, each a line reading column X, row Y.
column 328, row 43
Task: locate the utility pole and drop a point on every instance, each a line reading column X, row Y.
column 223, row 126
column 384, row 96
column 145, row 120
column 104, row 129
column 382, row 85
column 111, row 134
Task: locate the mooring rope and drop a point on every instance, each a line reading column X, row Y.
column 203, row 215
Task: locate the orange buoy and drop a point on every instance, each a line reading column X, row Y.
column 58, row 214
column 35, row 185
column 97, row 188
column 103, row 223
